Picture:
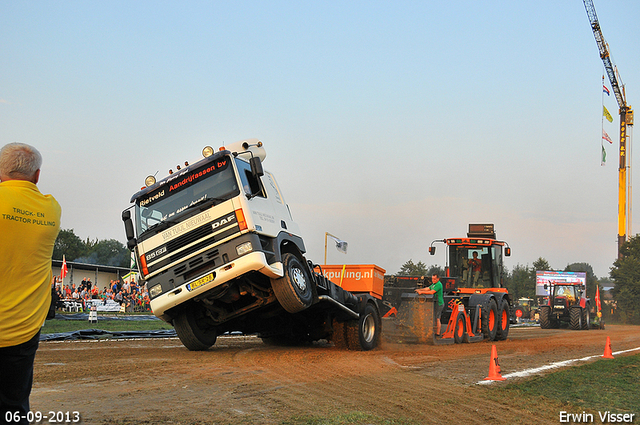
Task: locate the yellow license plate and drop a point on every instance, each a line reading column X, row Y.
column 202, row 281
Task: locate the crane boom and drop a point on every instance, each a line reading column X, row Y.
column 626, row 118
column 603, row 47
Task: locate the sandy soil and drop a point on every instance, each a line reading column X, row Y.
column 242, row 381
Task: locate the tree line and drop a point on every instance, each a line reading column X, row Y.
column 107, row 252
column 521, row 280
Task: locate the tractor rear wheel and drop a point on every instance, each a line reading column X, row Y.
column 575, row 317
column 586, row 318
column 490, row 320
column 545, row 317
column 503, row 321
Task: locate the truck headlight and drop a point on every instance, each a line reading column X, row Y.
column 244, row 248
column 155, row 291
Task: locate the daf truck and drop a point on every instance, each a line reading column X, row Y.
column 220, row 252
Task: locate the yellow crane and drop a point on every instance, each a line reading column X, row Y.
column 626, row 120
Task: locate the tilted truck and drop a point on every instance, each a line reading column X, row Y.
column 219, row 251
column 477, row 306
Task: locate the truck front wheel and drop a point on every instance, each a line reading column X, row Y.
column 293, row 290
column 192, row 330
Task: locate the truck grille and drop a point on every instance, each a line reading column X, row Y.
column 206, row 231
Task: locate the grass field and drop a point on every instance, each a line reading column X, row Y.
column 60, row 326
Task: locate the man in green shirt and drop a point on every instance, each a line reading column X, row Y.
column 435, row 288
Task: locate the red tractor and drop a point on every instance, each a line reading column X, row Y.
column 566, row 303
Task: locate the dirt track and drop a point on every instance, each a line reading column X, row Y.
column 242, row 381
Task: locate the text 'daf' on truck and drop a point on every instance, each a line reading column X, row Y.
column 477, row 306
column 220, row 252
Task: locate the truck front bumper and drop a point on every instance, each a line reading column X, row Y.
column 255, row 261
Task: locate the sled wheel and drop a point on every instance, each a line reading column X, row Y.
column 458, row 333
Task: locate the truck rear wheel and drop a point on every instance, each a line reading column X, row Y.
column 490, row 320
column 293, row 290
column 503, row 321
column 364, row 333
column 575, row 317
column 190, row 325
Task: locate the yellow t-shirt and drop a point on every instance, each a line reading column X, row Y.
column 29, row 226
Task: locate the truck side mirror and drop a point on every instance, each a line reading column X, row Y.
column 507, row 252
column 432, row 250
column 128, row 229
column 256, row 167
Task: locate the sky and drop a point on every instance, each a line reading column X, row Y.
column 388, row 124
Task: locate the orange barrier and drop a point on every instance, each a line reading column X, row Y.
column 494, row 367
column 607, row 350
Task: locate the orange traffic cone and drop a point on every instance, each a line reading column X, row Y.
column 607, row 350
column 494, row 367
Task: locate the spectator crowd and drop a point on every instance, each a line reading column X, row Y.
column 135, row 298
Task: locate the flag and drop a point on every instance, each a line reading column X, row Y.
column 606, row 137
column 606, row 113
column 604, row 156
column 63, row 269
column 598, row 298
column 606, row 90
column 133, row 260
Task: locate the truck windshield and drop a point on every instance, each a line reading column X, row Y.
column 213, row 182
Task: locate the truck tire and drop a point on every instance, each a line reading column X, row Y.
column 191, row 331
column 586, row 318
column 503, row 321
column 545, row 317
column 575, row 318
column 293, row 290
column 458, row 332
column 490, row 320
column 364, row 333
